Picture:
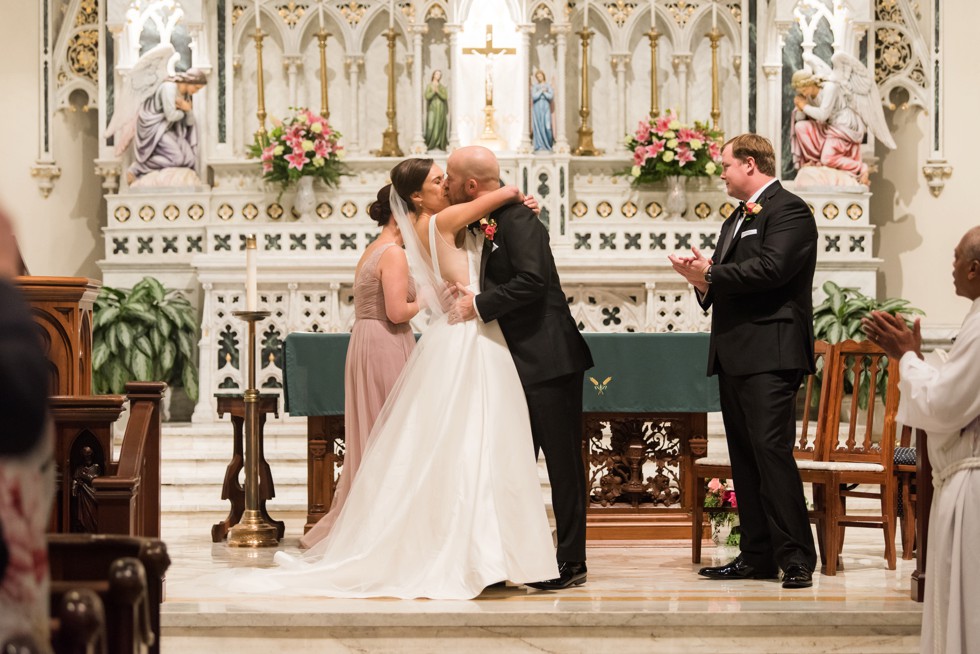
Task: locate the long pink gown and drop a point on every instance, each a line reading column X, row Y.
column 376, row 354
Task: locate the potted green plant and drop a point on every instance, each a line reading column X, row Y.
column 838, row 318
column 146, row 334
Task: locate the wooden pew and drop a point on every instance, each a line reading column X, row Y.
column 127, row 574
column 97, row 494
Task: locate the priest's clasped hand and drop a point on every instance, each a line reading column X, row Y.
column 892, row 334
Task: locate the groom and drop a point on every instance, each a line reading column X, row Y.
column 522, row 292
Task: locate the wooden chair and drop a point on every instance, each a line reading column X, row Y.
column 806, row 448
column 856, row 451
column 904, row 469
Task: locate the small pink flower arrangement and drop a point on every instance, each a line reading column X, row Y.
column 488, row 227
column 664, row 147
column 752, row 210
column 721, row 495
column 301, row 144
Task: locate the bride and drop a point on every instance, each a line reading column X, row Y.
column 447, row 499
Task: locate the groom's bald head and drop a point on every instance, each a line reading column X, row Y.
column 471, row 171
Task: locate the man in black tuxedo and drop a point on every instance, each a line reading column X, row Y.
column 759, row 283
column 522, row 292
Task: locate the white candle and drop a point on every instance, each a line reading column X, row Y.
column 653, row 16
column 585, row 15
column 714, row 15
column 257, row 26
column 391, row 14
column 320, row 11
column 251, row 275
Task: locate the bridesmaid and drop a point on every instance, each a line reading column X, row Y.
column 380, row 344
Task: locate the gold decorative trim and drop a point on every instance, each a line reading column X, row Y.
column 236, row 13
column 813, row 210
column 353, row 12
column 225, row 212
column 726, row 209
column 629, row 209
column 291, row 13
column 324, row 210
column 855, row 211
column 83, row 54
column 274, row 211
column 348, row 209
column 171, row 212
column 122, row 213
column 195, row 212
column 146, row 213
column 654, row 210
column 681, row 11
column 830, row 211
column 604, row 209
column 579, row 209
column 620, row 11
column 250, row 211
column 702, row 210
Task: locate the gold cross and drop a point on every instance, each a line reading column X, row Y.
column 488, row 51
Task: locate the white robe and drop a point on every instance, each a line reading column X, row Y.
column 943, row 398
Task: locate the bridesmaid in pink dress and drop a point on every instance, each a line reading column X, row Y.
column 380, row 344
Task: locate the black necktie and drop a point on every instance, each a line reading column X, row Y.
column 730, row 238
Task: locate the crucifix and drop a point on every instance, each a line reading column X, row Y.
column 488, row 50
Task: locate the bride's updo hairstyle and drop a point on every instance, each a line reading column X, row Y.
column 381, row 207
column 409, row 176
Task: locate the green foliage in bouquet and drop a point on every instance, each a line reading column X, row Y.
column 665, row 147
column 302, row 144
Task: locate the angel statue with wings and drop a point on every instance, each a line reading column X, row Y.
column 835, row 107
column 154, row 112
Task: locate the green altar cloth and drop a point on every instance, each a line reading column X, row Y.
column 636, row 373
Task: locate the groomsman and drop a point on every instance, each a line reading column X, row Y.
column 759, row 285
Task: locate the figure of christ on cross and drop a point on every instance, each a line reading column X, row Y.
column 489, row 51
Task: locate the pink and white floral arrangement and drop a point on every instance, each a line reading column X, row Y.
column 664, row 147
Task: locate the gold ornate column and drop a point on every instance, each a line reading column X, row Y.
column 715, row 36
column 389, row 141
column 324, row 100
column 585, row 148
column 654, row 36
column 261, row 135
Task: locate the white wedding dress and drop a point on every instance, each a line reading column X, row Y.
column 447, row 499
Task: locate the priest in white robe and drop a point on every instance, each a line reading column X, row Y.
column 942, row 398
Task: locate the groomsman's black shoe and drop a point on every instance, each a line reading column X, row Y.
column 737, row 569
column 569, row 574
column 796, row 576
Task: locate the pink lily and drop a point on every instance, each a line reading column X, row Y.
column 684, row 155
column 656, row 148
column 297, row 159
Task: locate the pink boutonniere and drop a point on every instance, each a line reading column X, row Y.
column 488, row 227
column 752, row 209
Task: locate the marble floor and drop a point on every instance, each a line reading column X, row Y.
column 640, row 596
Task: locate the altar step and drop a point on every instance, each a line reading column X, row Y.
column 194, row 459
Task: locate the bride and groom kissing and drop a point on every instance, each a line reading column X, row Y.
column 446, row 500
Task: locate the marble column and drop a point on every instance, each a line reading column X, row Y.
column 619, row 64
column 418, row 84
column 774, row 76
column 561, row 32
column 354, row 63
column 456, row 86
column 525, row 30
column 682, row 64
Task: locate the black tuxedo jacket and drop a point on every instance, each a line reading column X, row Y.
column 24, row 377
column 762, row 291
column 522, row 292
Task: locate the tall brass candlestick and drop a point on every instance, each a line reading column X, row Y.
column 389, row 141
column 253, row 530
column 324, row 100
column 714, row 36
column 654, row 36
column 585, row 146
column 260, row 134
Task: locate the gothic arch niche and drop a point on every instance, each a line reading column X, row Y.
column 543, row 57
column 729, row 73
column 246, row 79
column 638, row 73
column 435, row 56
column 374, row 80
column 338, row 86
column 602, row 82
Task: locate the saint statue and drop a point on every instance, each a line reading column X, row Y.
column 437, row 113
column 154, row 112
column 542, row 113
column 835, row 107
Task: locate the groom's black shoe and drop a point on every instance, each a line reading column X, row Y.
column 737, row 569
column 797, row 576
column 569, row 574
